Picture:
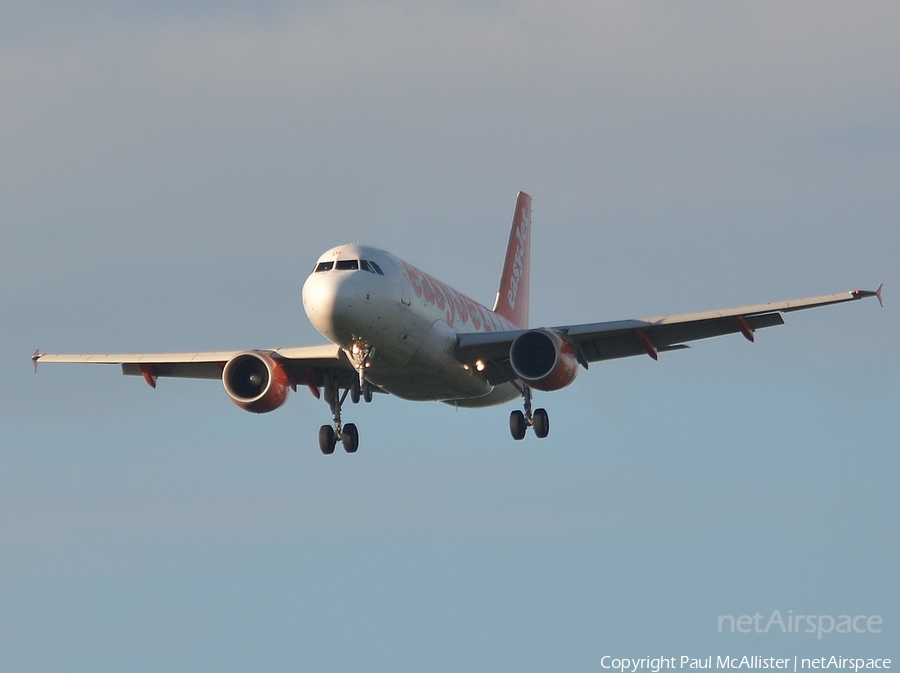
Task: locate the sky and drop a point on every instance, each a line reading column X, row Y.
column 169, row 173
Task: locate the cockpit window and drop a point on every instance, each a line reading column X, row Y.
column 350, row 265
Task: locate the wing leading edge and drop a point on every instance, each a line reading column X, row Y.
column 305, row 366
column 594, row 342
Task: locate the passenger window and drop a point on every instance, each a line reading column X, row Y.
column 348, row 264
column 377, row 268
column 324, row 266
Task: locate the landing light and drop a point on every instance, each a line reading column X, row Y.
column 479, row 365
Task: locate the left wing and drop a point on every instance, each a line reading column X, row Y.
column 623, row 338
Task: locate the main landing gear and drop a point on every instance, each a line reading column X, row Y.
column 520, row 421
column 328, row 438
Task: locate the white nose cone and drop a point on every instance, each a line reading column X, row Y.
column 319, row 298
column 335, row 303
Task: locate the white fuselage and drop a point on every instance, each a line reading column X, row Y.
column 363, row 297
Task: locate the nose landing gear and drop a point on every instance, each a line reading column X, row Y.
column 363, row 391
column 519, row 421
column 361, row 353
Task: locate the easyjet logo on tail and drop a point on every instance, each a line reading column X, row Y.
column 521, row 237
column 512, row 296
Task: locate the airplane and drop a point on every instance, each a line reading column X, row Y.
column 395, row 329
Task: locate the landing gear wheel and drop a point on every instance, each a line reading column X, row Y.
column 327, row 439
column 517, row 424
column 367, row 392
column 349, row 438
column 354, row 392
column 541, row 423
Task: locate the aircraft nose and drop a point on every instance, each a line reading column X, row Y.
column 329, row 299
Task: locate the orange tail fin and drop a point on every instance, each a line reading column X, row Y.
column 512, row 297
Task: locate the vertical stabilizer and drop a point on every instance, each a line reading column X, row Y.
column 512, row 297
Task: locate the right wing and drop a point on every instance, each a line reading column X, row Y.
column 308, row 365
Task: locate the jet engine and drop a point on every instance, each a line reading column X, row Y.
column 256, row 382
column 543, row 360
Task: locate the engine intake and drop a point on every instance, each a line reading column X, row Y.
column 543, row 360
column 256, row 382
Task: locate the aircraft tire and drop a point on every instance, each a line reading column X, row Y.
column 367, row 392
column 354, row 392
column 350, row 438
column 326, row 439
column 541, row 423
column 517, row 425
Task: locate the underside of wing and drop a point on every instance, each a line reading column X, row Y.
column 594, row 342
column 201, row 365
column 304, row 365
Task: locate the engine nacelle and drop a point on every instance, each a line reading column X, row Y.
column 543, row 360
column 256, row 382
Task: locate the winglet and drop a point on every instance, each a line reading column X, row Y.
column 34, row 359
column 512, row 297
column 859, row 294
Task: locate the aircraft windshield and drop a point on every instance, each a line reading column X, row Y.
column 350, row 265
